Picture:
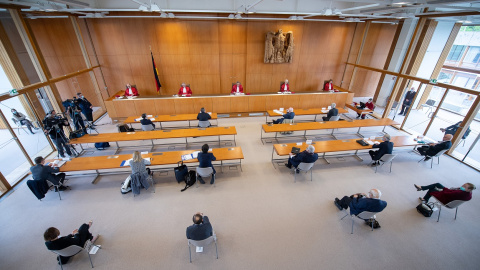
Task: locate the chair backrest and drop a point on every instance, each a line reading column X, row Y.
column 147, row 127
column 441, row 152
column 68, row 251
column 288, row 121
column 204, row 172
column 430, row 102
column 334, row 118
column 366, row 215
column 454, row 204
column 201, row 243
column 394, row 105
column 305, row 166
column 204, row 124
column 387, row 157
column 16, row 122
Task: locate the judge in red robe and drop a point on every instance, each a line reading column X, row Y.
column 285, row 87
column 184, row 90
column 237, row 88
column 328, row 86
column 131, row 91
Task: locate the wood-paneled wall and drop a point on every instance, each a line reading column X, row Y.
column 210, row 55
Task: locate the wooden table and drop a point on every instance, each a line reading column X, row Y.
column 339, row 146
column 326, row 125
column 169, row 118
column 299, row 112
column 357, row 110
column 157, row 159
column 155, row 135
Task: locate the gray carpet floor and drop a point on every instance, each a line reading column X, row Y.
column 263, row 219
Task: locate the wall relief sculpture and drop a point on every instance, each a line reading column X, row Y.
column 278, row 47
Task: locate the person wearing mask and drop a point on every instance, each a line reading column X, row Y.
column 184, row 90
column 289, row 115
column 407, row 101
column 205, row 160
column 385, row 147
column 131, row 91
column 332, row 112
column 328, row 86
column 446, row 195
column 22, row 119
column 432, row 149
column 86, row 107
column 201, row 228
column 237, row 88
column 285, row 87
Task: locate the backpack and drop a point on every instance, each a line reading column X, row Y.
column 125, row 128
column 76, row 134
column 101, row 145
column 190, row 180
column 126, row 185
column 376, row 225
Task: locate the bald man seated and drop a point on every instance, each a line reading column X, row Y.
column 432, row 149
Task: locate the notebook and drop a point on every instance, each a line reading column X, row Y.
column 295, row 150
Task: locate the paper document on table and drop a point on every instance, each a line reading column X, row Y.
column 138, row 119
column 195, row 154
column 187, row 157
column 324, row 111
column 299, row 143
column 144, row 153
column 125, row 163
column 308, row 142
column 278, row 112
column 94, row 249
column 369, row 142
column 56, row 163
column 149, row 115
column 152, row 119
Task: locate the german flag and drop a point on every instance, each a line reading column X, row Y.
column 155, row 73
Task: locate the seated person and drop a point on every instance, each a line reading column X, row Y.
column 385, row 147
column 361, row 202
column 201, row 228
column 22, row 119
column 307, row 156
column 289, row 115
column 369, row 105
column 446, row 195
column 138, row 165
column 78, row 237
column 237, row 88
column 328, row 86
column 203, row 116
column 131, row 91
column 184, row 90
column 145, row 121
column 432, row 149
column 453, row 129
column 205, row 160
column 285, row 87
column 42, row 172
column 332, row 112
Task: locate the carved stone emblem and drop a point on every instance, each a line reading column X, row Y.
column 278, row 47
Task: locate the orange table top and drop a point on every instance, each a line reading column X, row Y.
column 328, row 125
column 306, row 111
column 157, row 158
column 168, row 118
column 360, row 111
column 155, row 134
column 341, row 145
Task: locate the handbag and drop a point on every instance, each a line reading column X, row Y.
column 181, row 172
column 426, row 209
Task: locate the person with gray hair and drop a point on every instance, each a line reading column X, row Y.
column 385, row 147
column 289, row 115
column 307, row 156
column 203, row 116
column 361, row 202
column 332, row 112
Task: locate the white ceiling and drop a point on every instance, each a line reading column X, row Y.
column 250, row 9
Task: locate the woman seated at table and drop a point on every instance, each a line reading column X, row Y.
column 285, row 87
column 205, row 159
column 138, row 164
column 131, row 91
column 184, row 90
column 237, row 88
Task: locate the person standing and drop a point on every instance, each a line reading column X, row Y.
column 201, row 228
column 53, row 126
column 86, row 107
column 22, row 119
column 407, row 101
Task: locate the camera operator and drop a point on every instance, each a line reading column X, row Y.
column 53, row 125
column 74, row 111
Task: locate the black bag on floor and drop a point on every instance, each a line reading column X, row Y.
column 76, row 134
column 101, row 145
column 426, row 209
column 125, row 128
column 181, row 172
column 190, row 180
column 369, row 222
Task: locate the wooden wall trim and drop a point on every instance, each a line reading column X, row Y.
column 359, row 55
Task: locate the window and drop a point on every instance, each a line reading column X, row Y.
column 456, row 53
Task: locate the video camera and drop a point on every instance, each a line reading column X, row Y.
column 69, row 103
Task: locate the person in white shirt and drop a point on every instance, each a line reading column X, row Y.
column 237, row 88
column 184, row 90
column 285, row 87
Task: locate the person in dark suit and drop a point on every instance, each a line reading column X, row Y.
column 146, row 121
column 289, row 115
column 237, row 88
column 332, row 112
column 205, row 159
column 42, row 172
column 86, row 107
column 307, row 156
column 285, row 87
column 431, row 150
column 361, row 202
column 385, row 147
column 453, row 129
column 185, row 90
column 201, row 228
column 78, row 237
column 203, row 116
column 446, row 195
column 407, row 101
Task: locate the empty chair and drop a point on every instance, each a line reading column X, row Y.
column 451, row 205
column 19, row 125
column 204, row 124
column 363, row 215
column 305, row 167
column 437, row 156
column 202, row 243
column 73, row 250
column 147, row 127
column 205, row 172
column 334, row 118
column 385, row 159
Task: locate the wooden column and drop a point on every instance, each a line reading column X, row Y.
column 4, row 185
column 465, row 123
column 359, row 55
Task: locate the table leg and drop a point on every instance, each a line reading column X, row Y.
column 357, row 156
column 234, row 140
column 218, row 140
column 189, row 124
column 160, row 125
column 273, row 149
column 186, row 142
column 305, row 134
column 315, row 120
column 95, row 179
column 118, row 148
column 325, row 158
column 358, row 132
column 153, row 146
column 221, row 166
column 261, row 135
column 241, row 166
